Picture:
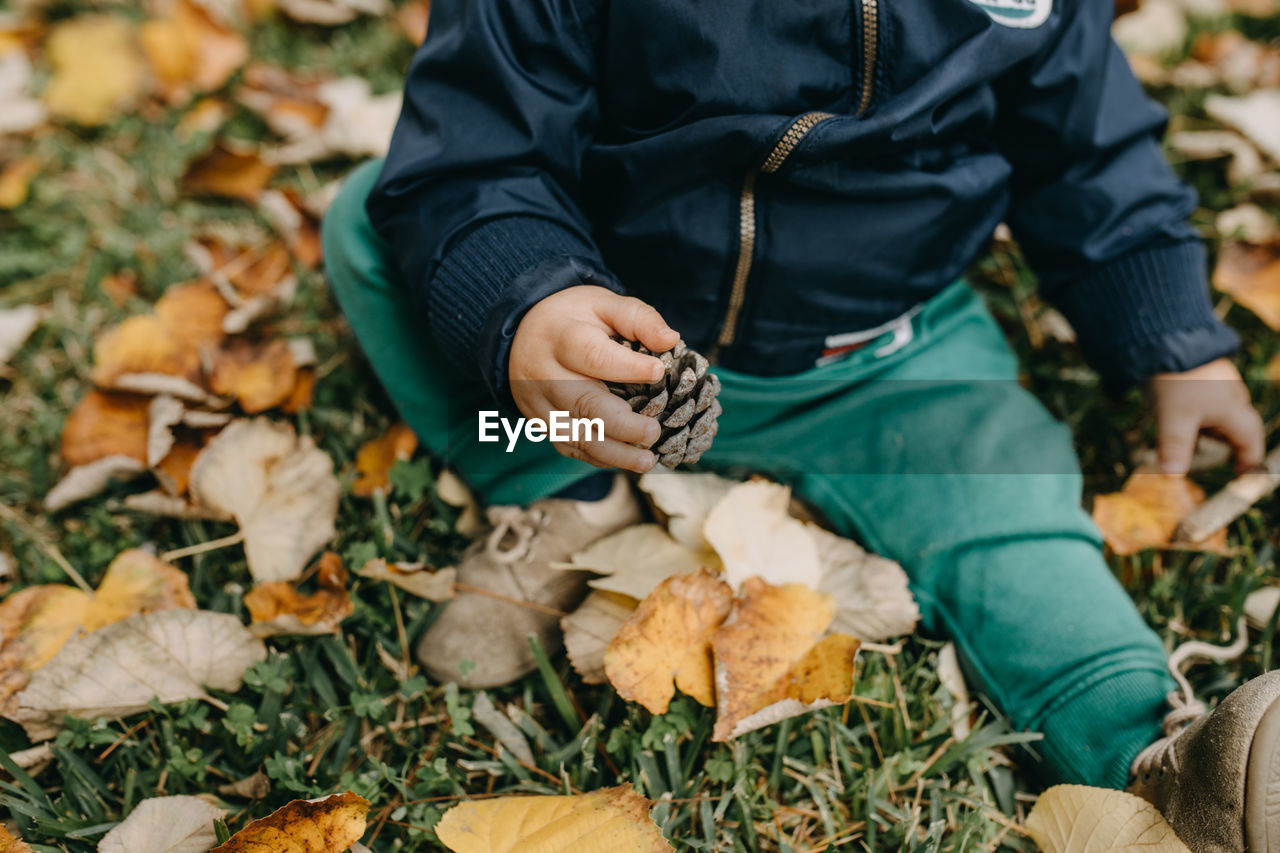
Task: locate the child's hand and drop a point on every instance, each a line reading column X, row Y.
column 1218, row 402
column 563, row 351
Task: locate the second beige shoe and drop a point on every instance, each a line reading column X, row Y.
column 525, row 595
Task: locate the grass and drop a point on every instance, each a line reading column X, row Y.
column 325, row 714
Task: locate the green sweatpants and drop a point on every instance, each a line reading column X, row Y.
column 930, row 453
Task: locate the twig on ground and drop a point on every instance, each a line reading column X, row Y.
column 1233, row 501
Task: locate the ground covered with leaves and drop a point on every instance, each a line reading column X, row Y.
column 150, row 147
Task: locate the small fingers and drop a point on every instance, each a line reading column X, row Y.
column 1177, row 442
column 1242, row 427
column 608, row 453
column 584, row 398
column 588, row 350
column 636, row 320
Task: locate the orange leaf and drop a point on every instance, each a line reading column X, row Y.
column 278, row 608
column 174, row 470
column 769, row 664
column 302, row 393
column 189, row 51
column 9, row 844
column 252, row 271
column 665, row 643
column 15, row 180
column 105, row 424
column 328, row 825
column 1251, row 274
column 259, row 376
column 1145, row 513
column 376, row 458
column 227, row 173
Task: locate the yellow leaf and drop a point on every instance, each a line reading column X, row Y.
column 15, row 180
column 1251, row 274
column 97, row 69
column 9, row 844
column 277, row 607
column 612, row 819
column 189, row 51
column 327, row 825
column 667, row 639
column 1145, row 513
column 376, row 458
column 765, row 654
column 1078, row 819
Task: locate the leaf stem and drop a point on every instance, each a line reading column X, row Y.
column 203, row 547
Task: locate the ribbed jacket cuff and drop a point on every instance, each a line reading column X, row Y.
column 1145, row 313
column 491, row 277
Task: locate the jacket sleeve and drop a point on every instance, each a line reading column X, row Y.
column 1097, row 209
column 479, row 195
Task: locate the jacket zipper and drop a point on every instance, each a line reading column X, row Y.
column 793, row 136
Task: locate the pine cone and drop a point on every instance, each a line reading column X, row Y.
column 683, row 400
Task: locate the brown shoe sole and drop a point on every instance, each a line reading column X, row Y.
column 1262, row 786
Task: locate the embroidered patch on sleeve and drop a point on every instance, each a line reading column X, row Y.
column 1022, row 14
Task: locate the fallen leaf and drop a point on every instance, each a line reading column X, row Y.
column 253, row 787
column 286, row 100
column 245, row 270
column 412, row 17
column 1256, row 115
column 19, row 112
column 15, row 181
column 1157, row 28
column 326, row 825
column 589, row 629
column 1248, row 223
column 501, row 727
column 331, row 13
column 455, row 493
column 97, row 69
column 106, row 424
column 751, row 530
column 952, row 679
column 16, row 325
column 228, row 173
column 10, row 844
column 1260, row 605
column 169, row 656
column 190, row 52
column 377, row 456
column 287, row 213
column 85, row 481
column 180, row 824
column 665, row 643
column 1146, row 511
column 277, row 607
column 415, row 578
column 280, row 489
column 258, row 376
column 769, row 661
column 635, row 560
column 357, row 124
column 872, row 594
column 1251, row 274
column 685, row 500
column 1078, row 819
column 613, row 819
column 158, row 502
column 205, row 117
column 38, row 621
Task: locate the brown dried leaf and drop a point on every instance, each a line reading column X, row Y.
column 258, row 376
column 665, row 643
column 1145, row 513
column 10, row 844
column 278, row 608
column 105, row 424
column 376, row 458
column 1251, row 274
column 326, row 825
column 229, row 174
column 415, row 578
column 15, row 181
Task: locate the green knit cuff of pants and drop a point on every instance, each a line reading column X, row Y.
column 930, row 452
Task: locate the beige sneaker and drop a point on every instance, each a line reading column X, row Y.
column 1216, row 776
column 527, row 596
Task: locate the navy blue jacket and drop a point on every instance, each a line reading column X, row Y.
column 768, row 173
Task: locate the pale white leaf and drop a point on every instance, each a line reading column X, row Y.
column 1249, row 223
column 1246, row 164
column 19, row 113
column 16, row 324
column 163, row 414
column 357, row 124
column 157, row 502
column 85, row 481
column 776, row 713
column 1260, row 605
column 1078, row 819
column 455, row 493
column 415, row 578
column 588, row 630
column 161, row 383
column 330, row 13
column 952, row 678
column 501, row 727
column 872, row 593
column 169, row 655
column 1157, row 28
column 751, row 530
column 686, row 500
column 280, row 489
column 1256, row 115
column 634, row 560
column 180, row 824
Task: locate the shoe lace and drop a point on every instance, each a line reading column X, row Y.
column 1186, row 707
column 523, row 523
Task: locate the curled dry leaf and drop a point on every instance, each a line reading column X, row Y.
column 665, row 643
column 589, row 629
column 614, row 819
column 1078, row 819
column 258, row 376
column 106, row 424
column 1248, row 223
column 357, row 124
column 377, row 456
column 872, row 594
column 229, row 173
column 1146, row 511
column 11, row 844
column 97, row 69
column 19, row 112
column 88, row 480
column 772, row 662
column 16, row 325
column 751, row 530
column 331, row 13
column 180, row 824
column 1256, row 115
column 1251, row 274
column 278, row 608
column 287, row 213
column 326, row 825
column 1245, row 164
column 280, row 489
column 415, row 578
column 169, row 656
column 454, row 492
column 1260, row 605
column 635, row 560
column 37, row 621
column 685, row 500
column 190, row 52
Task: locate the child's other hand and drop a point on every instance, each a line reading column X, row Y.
column 1211, row 397
column 563, row 352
